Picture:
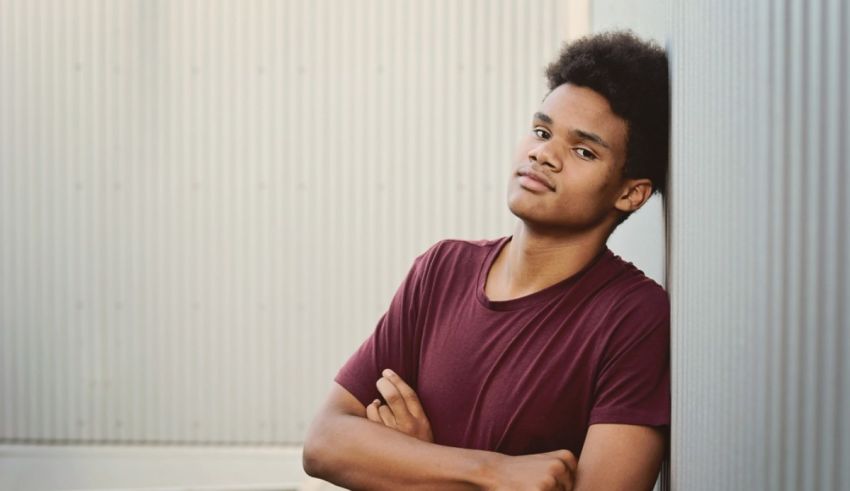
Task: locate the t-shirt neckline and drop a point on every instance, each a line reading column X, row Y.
column 532, row 299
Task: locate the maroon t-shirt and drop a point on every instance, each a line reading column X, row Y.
column 524, row 375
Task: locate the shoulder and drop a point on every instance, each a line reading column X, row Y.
column 629, row 302
column 449, row 246
column 449, row 251
column 452, row 262
column 628, row 286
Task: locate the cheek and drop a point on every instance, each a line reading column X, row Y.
column 586, row 189
column 598, row 179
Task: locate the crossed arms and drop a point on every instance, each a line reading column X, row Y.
column 390, row 447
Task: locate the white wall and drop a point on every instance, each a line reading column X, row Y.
column 206, row 205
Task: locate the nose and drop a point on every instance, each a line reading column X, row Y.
column 542, row 154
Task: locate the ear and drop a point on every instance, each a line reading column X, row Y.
column 633, row 195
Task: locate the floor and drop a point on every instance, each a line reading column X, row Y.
column 152, row 468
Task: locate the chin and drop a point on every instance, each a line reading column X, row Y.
column 515, row 206
column 537, row 218
column 526, row 213
column 519, row 199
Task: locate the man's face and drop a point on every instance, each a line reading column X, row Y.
column 568, row 169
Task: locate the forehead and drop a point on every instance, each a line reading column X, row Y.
column 572, row 107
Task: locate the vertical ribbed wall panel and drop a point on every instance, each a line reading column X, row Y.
column 758, row 217
column 206, row 205
column 760, row 108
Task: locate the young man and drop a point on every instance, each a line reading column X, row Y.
column 539, row 360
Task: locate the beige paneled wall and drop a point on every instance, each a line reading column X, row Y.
column 206, row 205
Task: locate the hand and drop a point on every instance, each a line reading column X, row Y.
column 403, row 411
column 551, row 471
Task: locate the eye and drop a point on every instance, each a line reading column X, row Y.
column 540, row 133
column 584, row 153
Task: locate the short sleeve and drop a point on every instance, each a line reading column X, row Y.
column 633, row 382
column 394, row 342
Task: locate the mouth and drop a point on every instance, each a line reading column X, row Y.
column 533, row 180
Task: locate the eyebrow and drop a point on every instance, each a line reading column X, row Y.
column 543, row 117
column 576, row 133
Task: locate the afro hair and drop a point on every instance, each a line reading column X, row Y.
column 632, row 75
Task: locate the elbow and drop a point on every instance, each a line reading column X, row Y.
column 320, row 452
column 313, row 456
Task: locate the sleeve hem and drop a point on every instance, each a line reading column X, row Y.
column 357, row 390
column 628, row 416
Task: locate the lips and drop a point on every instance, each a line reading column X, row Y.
column 535, row 178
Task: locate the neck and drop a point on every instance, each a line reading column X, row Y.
column 535, row 259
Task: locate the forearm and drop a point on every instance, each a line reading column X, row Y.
column 356, row 453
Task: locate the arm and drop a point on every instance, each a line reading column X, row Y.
column 624, row 445
column 620, row 457
column 615, row 457
column 344, row 447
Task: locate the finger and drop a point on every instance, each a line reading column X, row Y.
column 566, row 457
column 410, row 398
column 395, row 401
column 565, row 478
column 372, row 411
column 387, row 416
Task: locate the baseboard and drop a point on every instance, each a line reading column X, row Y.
column 149, row 468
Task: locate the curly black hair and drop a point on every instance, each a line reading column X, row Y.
column 632, row 75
